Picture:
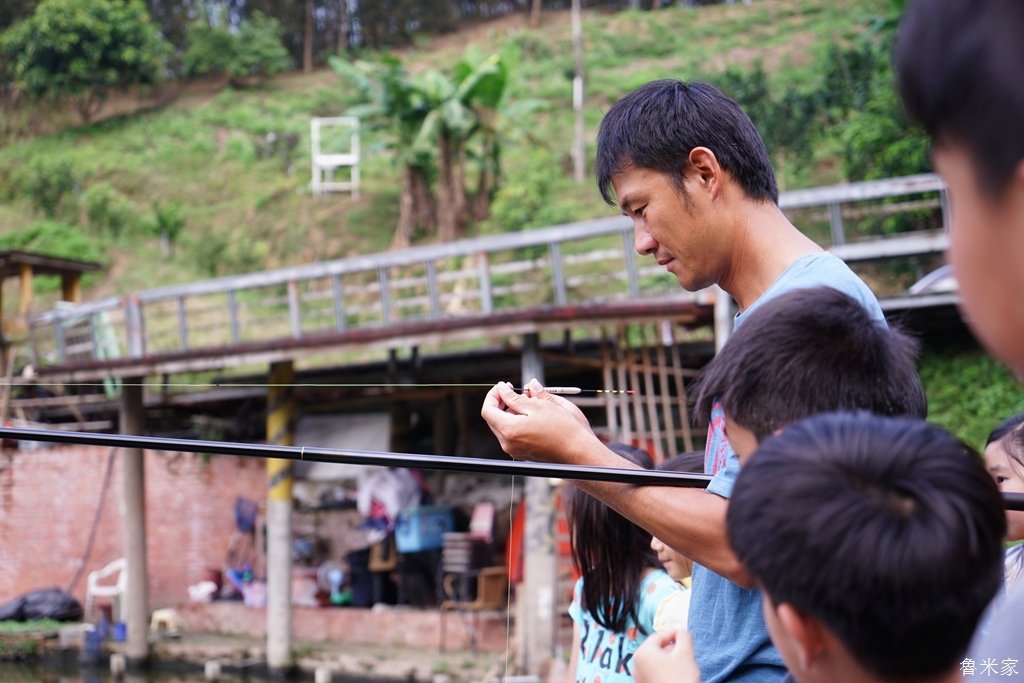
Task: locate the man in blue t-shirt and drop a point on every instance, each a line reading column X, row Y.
column 688, row 167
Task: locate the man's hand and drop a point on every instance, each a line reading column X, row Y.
column 666, row 657
column 536, row 425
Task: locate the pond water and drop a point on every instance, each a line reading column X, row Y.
column 51, row 672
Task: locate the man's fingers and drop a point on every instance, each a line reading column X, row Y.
column 663, row 639
column 514, row 403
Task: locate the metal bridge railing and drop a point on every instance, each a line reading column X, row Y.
column 586, row 263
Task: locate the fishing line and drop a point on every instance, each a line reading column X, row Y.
column 508, row 583
column 314, row 385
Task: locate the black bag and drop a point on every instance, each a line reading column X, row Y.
column 45, row 603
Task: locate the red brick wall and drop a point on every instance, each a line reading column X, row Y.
column 383, row 625
column 48, row 499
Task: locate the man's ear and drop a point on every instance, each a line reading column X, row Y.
column 806, row 633
column 705, row 170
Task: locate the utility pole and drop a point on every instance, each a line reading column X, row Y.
column 280, row 431
column 540, row 570
column 134, row 506
column 579, row 150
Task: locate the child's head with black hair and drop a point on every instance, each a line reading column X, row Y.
column 677, row 565
column 804, row 352
column 877, row 543
column 611, row 552
column 1004, row 458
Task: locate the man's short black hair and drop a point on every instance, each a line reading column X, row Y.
column 958, row 70
column 808, row 351
column 657, row 126
column 889, row 531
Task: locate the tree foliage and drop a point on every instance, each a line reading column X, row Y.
column 254, row 50
column 82, row 49
column 854, row 101
column 950, row 374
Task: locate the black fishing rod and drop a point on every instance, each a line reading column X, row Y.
column 358, row 457
column 622, row 475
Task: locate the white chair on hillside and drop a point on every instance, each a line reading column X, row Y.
column 334, row 149
column 109, row 582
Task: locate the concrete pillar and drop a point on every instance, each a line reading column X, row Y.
column 281, row 432
column 539, row 566
column 134, row 506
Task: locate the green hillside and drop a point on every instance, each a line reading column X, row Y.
column 245, row 201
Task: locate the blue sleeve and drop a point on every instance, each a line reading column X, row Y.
column 721, row 484
column 660, row 587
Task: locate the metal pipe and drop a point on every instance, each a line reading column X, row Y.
column 639, row 477
column 358, row 457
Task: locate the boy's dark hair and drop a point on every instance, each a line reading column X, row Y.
column 889, row 531
column 958, row 73
column 810, row 351
column 657, row 126
column 610, row 552
column 691, row 461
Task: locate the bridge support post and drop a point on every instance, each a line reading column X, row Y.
column 137, row 598
column 537, row 630
column 280, row 431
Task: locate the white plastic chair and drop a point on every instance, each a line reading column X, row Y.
column 95, row 588
column 326, row 161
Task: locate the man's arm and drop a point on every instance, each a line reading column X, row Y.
column 549, row 428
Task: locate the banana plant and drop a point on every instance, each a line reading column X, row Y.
column 439, row 122
column 392, row 101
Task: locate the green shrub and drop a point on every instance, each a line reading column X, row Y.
column 259, row 49
column 241, row 149
column 167, row 224
column 107, row 210
column 969, row 393
column 526, row 199
column 54, row 238
column 209, row 49
column 49, row 183
column 254, row 50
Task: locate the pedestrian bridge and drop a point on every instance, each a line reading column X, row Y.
column 561, row 277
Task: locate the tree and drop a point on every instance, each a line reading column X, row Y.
column 440, row 121
column 168, row 222
column 466, row 108
column 253, row 51
column 535, row 8
column 82, row 49
column 392, row 101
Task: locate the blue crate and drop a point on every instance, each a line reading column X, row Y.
column 422, row 527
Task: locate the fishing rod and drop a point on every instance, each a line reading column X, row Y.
column 622, row 475
column 360, row 457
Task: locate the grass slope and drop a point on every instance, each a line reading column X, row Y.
column 246, row 203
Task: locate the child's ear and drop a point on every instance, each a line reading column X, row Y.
column 806, row 633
